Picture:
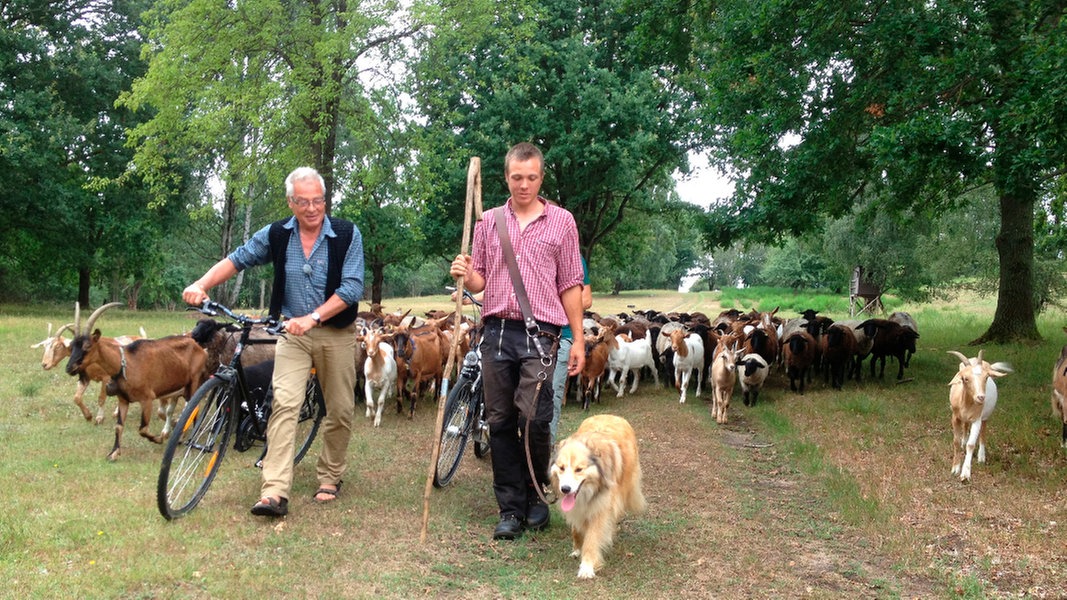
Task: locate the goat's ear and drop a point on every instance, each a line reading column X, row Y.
column 1000, row 369
column 96, row 334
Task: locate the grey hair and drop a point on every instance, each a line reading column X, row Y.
column 301, row 174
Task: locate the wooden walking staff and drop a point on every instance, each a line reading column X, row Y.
column 473, row 207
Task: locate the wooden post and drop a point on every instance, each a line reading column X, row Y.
column 472, row 210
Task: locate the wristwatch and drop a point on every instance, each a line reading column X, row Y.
column 315, row 316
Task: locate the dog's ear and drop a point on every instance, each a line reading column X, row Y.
column 607, row 457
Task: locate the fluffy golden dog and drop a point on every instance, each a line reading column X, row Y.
column 598, row 478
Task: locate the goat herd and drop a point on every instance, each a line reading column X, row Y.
column 404, row 356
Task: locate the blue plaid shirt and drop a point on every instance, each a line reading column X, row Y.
column 305, row 278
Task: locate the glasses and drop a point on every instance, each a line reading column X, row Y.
column 306, row 202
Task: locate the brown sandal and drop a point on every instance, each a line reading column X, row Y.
column 269, row 507
column 327, row 492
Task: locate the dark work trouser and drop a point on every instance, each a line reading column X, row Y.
column 511, row 370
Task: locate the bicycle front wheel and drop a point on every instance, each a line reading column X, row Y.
column 455, row 430
column 481, row 427
column 195, row 449
column 311, row 413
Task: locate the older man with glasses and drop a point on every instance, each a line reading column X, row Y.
column 318, row 281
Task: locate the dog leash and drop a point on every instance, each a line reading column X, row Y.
column 533, row 332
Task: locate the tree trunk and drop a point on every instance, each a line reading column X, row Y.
column 377, row 279
column 83, row 287
column 1015, row 318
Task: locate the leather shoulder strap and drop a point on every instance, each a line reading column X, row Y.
column 513, row 269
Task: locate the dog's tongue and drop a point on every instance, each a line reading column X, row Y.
column 567, row 502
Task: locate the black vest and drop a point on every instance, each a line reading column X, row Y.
column 337, row 249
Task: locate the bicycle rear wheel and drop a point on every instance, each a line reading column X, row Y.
column 455, row 430
column 311, row 413
column 195, row 449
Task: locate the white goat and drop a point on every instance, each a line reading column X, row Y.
column 753, row 373
column 380, row 372
column 972, row 397
column 723, row 378
column 688, row 356
column 628, row 357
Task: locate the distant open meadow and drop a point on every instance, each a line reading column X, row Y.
column 831, row 494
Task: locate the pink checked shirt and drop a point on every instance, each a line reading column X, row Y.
column 547, row 253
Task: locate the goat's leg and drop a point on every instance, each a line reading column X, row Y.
column 120, row 422
column 900, row 370
column 83, row 384
column 101, row 400
column 972, row 440
column 958, row 444
column 981, row 441
column 381, row 405
column 368, row 396
column 146, row 422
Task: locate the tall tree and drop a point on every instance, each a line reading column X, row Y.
column 257, row 87
column 820, row 103
column 62, row 65
column 565, row 75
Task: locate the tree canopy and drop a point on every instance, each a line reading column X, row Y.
column 565, row 75
column 820, row 104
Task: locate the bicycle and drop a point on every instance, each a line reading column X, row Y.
column 221, row 407
column 464, row 413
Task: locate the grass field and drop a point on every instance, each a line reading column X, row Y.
column 834, row 494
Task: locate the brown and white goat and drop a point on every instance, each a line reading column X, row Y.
column 57, row 347
column 1059, row 391
column 972, row 396
column 145, row 370
column 688, row 356
column 723, row 377
column 379, row 370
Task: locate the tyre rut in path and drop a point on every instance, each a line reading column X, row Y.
column 755, row 527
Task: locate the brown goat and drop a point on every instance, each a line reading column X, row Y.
column 57, row 347
column 724, row 377
column 799, row 352
column 220, row 341
column 838, row 352
column 419, row 359
column 596, row 364
column 141, row 372
column 1059, row 391
column 890, row 339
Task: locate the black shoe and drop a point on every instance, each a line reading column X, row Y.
column 537, row 515
column 509, row 528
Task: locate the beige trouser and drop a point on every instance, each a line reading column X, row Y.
column 332, row 352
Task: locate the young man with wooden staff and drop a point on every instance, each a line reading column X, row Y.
column 519, row 356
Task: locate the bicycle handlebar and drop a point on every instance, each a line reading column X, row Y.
column 212, row 309
column 466, row 294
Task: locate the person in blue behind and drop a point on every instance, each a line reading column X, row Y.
column 566, row 339
column 318, row 281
